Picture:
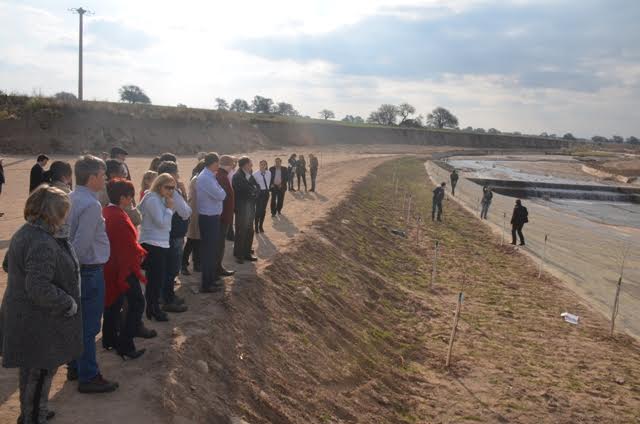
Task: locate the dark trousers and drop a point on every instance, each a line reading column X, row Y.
column 224, row 228
column 517, row 229
column 155, row 267
column 302, row 175
column 245, row 216
column 34, row 394
column 437, row 209
column 92, row 305
column 485, row 210
column 277, row 199
column 261, row 208
column 291, row 179
column 209, row 244
column 314, row 175
column 122, row 319
column 176, row 246
column 191, row 248
column 453, row 187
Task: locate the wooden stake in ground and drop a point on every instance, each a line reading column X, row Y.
column 409, row 211
column 616, row 305
column 544, row 253
column 454, row 329
column 418, row 222
column 504, row 226
column 435, row 263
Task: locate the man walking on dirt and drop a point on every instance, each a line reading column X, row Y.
column 38, row 174
column 518, row 219
column 438, row 197
column 454, row 181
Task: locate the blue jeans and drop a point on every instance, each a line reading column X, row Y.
column 92, row 300
column 174, row 261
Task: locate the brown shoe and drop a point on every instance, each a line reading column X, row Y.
column 98, row 385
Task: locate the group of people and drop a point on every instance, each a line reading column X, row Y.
column 92, row 253
column 298, row 168
column 519, row 217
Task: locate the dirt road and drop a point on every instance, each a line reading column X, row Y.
column 141, row 381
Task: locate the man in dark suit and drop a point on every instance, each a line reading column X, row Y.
column 38, row 174
column 438, row 197
column 278, row 186
column 245, row 189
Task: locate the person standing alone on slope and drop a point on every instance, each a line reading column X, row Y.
column 518, row 219
column 438, row 197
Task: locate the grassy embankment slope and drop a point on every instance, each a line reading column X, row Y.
column 345, row 327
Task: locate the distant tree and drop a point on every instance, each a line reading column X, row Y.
column 544, row 134
column 568, row 136
column 221, row 104
column 442, row 118
column 327, row 114
column 493, row 131
column 262, row 105
column 385, row 115
column 405, row 110
column 480, row 130
column 633, row 140
column 133, row 94
column 65, row 96
column 181, row 105
column 599, row 139
column 240, row 105
column 517, row 133
column 353, row 119
column 617, row 139
column 285, row 109
column 468, row 129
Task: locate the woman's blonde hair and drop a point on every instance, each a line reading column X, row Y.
column 161, row 180
column 147, row 180
column 49, row 205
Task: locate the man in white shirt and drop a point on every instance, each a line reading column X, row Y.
column 263, row 178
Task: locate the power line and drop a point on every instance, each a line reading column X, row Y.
column 81, row 12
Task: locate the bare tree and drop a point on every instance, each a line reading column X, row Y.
column 221, row 104
column 285, row 109
column 262, row 105
column 404, row 110
column 385, row 115
column 442, row 118
column 239, row 105
column 327, row 114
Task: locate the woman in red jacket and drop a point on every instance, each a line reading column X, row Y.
column 122, row 273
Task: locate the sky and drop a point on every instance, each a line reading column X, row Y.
column 531, row 66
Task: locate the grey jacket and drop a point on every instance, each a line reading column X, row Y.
column 44, row 282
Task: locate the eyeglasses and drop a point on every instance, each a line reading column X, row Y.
column 170, row 188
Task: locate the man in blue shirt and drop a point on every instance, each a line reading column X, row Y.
column 210, row 196
column 91, row 244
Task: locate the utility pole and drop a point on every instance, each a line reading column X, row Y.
column 81, row 12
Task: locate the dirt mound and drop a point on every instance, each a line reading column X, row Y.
column 346, row 327
column 33, row 125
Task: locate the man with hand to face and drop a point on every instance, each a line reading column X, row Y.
column 246, row 190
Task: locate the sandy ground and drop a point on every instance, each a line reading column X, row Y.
column 141, row 381
column 584, row 253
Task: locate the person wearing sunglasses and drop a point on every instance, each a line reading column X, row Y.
column 157, row 208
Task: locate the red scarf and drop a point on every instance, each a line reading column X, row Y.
column 126, row 253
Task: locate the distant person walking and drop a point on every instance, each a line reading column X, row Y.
column 278, row 185
column 91, row 244
column 292, row 162
column 301, row 171
column 38, row 174
column 487, row 196
column 454, row 181
column 313, row 169
column 41, row 324
column 246, row 190
column 438, row 197
column 518, row 219
column 263, row 178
